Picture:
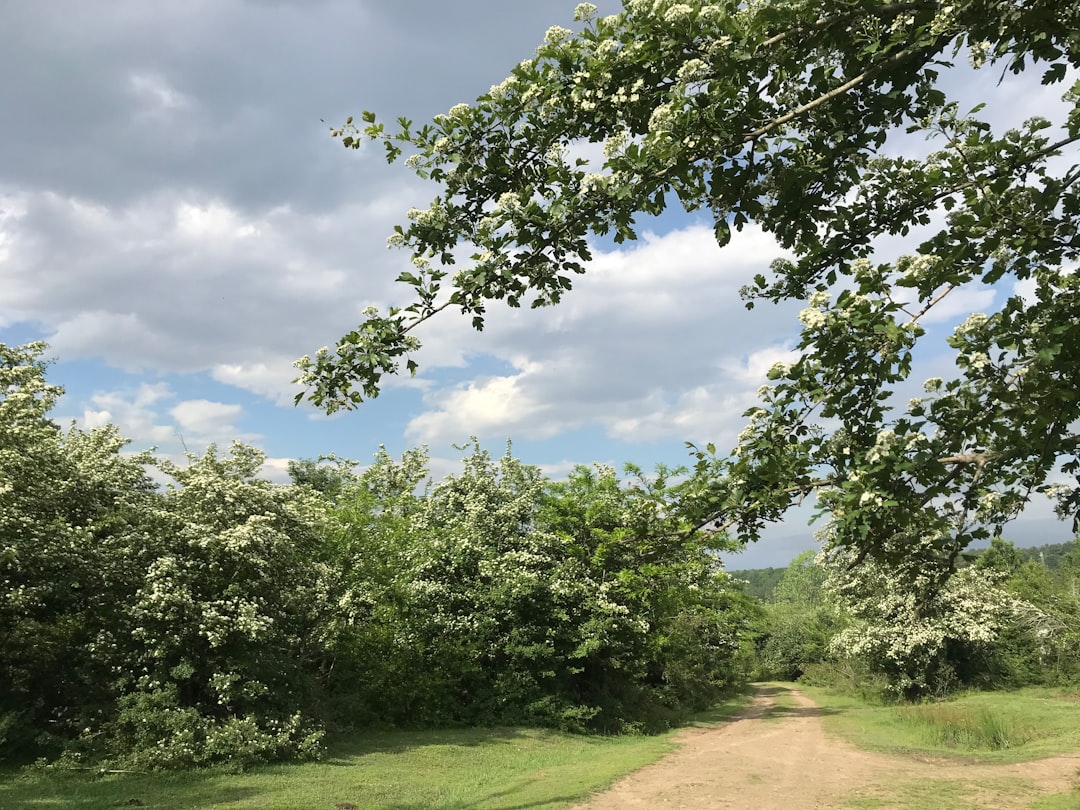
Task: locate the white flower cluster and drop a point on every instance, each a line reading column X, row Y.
column 508, row 201
column 883, row 444
column 719, row 46
column 978, row 52
column 712, row 13
column 813, row 318
column 504, row 88
column 433, row 217
column 974, row 323
column 943, row 21
column 584, row 12
column 693, row 70
column 779, row 370
column 861, row 267
column 557, row 34
column 918, row 266
column 616, row 142
column 678, row 13
column 606, row 47
column 631, row 94
column 594, row 182
column 662, row 119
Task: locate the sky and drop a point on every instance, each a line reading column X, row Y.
column 179, row 226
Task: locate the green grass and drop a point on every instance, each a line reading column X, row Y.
column 993, row 727
column 941, row 794
column 986, row 726
column 393, row 770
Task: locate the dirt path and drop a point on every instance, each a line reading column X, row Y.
column 779, row 757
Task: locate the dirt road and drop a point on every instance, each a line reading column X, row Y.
column 779, row 756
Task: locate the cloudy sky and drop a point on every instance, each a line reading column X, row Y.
column 177, row 223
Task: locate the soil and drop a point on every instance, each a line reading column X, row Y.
column 779, row 756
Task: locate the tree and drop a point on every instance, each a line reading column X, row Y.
column 73, row 545
column 800, row 621
column 926, row 636
column 788, row 114
column 497, row 597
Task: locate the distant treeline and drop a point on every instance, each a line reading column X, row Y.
column 761, row 582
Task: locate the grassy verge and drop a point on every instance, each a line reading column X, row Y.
column 991, row 727
column 392, row 770
column 986, row 726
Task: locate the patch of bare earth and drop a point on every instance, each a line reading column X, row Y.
column 779, row 756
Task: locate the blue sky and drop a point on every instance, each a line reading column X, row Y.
column 177, row 223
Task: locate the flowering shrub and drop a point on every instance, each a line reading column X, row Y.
column 510, row 600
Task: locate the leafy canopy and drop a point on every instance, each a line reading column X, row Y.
column 792, row 115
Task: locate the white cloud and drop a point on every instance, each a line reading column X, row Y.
column 271, row 379
column 652, row 343
column 276, row 470
column 210, row 422
column 133, row 412
column 215, row 221
column 183, row 283
column 496, row 405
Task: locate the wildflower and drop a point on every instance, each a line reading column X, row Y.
column 975, row 322
column 615, row 143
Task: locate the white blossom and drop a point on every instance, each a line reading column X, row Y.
column 584, row 11
column 677, row 13
column 557, row 34
column 972, row 325
column 662, row 119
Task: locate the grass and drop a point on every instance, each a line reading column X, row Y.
column 991, row 727
column 986, row 726
column 942, row 794
column 391, row 770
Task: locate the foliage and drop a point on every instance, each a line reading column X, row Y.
column 157, row 628
column 327, row 475
column 71, row 545
column 1051, row 555
column 227, row 623
column 1043, row 645
column 496, row 597
column 795, row 116
column 800, row 622
column 928, row 634
column 223, row 619
column 759, row 582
